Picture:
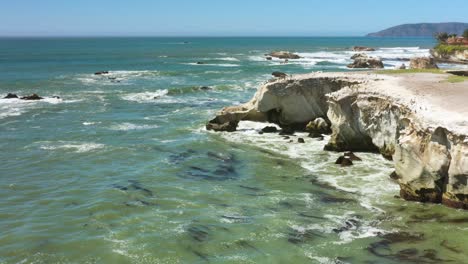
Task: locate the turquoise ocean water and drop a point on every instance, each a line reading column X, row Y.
column 121, row 170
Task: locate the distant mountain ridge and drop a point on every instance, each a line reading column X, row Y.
column 421, row 30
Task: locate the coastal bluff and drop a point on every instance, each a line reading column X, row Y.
column 418, row 120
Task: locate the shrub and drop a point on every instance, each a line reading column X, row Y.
column 441, row 37
column 445, row 49
column 465, row 33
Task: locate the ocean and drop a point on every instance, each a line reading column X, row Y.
column 120, row 169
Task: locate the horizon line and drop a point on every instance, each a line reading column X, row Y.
column 206, row 36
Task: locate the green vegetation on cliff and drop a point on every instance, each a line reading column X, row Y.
column 445, row 49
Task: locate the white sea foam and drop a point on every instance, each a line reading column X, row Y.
column 90, row 123
column 227, row 59
column 145, row 97
column 368, row 179
column 78, row 147
column 130, row 126
column 116, row 77
column 16, row 107
column 213, row 64
column 391, row 57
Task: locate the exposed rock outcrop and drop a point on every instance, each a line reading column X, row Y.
column 284, row 55
column 457, row 56
column 423, row 63
column 362, row 48
column 279, row 74
column 101, row 73
column 10, row 96
column 318, row 126
column 364, row 61
column 287, row 102
column 375, row 113
column 32, row 97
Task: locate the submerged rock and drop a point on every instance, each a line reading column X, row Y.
column 423, row 63
column 10, row 96
column 300, row 140
column 268, row 58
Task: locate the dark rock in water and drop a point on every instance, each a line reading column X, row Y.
column 287, row 131
column 237, row 219
column 344, row 161
column 298, row 236
column 228, row 126
column 362, row 48
column 101, row 73
column 286, row 137
column 284, row 55
column 222, row 157
column 201, row 255
column 10, row 96
column 318, row 126
column 56, row 97
column 394, row 176
column 255, row 189
column 205, row 88
column 368, row 62
column 32, row 97
column 348, row 225
column 300, row 140
column 400, row 237
column 269, row 129
column 137, row 186
column 333, row 199
column 269, row 58
column 199, row 233
column 352, row 156
column 279, row 74
column 454, row 249
column 200, row 62
column 315, row 135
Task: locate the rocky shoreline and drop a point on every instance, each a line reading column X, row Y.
column 403, row 117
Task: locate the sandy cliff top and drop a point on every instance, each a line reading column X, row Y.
column 429, row 95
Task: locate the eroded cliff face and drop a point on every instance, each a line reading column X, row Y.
column 455, row 57
column 431, row 161
column 287, row 102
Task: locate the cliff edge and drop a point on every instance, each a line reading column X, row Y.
column 420, row 121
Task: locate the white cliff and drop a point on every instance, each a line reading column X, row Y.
column 420, row 121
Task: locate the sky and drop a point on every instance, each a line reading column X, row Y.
column 219, row 17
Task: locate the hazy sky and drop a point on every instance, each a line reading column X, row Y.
column 219, row 17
